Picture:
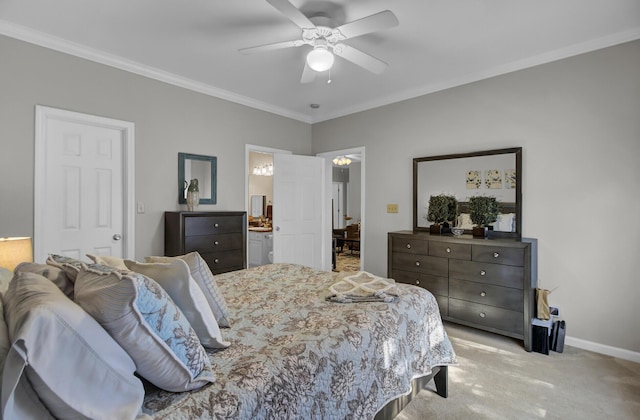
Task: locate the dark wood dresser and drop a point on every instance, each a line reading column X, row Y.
column 220, row 237
column 483, row 283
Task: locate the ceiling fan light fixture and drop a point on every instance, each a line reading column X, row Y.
column 320, row 59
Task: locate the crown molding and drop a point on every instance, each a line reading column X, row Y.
column 61, row 45
column 58, row 44
column 559, row 54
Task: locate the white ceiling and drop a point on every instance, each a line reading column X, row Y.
column 438, row 44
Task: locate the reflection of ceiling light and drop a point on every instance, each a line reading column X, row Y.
column 341, row 161
column 263, row 170
column 320, row 59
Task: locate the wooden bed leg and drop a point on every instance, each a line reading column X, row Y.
column 441, row 381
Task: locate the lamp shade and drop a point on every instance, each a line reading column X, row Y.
column 320, row 59
column 13, row 251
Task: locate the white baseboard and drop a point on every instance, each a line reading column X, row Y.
column 633, row 356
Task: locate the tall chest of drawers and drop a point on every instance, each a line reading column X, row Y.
column 483, row 283
column 220, row 237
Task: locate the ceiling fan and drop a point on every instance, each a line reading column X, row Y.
column 327, row 41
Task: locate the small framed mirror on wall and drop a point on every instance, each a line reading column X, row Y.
column 200, row 167
column 489, row 173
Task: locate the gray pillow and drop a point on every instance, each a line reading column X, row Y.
column 53, row 338
column 144, row 320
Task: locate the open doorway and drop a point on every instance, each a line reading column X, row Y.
column 347, row 198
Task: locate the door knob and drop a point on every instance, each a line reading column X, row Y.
column 117, row 237
column 277, row 228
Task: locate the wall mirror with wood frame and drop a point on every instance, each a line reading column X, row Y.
column 200, row 167
column 496, row 173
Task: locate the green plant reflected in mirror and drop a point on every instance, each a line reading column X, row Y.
column 200, row 167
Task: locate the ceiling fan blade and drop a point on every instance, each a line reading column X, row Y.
column 308, row 75
column 270, row 47
column 373, row 23
column 290, row 11
column 364, row 60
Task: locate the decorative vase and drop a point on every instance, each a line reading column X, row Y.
column 193, row 195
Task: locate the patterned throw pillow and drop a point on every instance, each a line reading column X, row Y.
column 69, row 265
column 204, row 277
column 109, row 261
column 176, row 280
column 145, row 321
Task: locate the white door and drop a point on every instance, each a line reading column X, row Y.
column 84, row 185
column 301, row 225
column 338, row 205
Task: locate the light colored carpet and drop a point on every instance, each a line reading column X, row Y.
column 347, row 262
column 497, row 379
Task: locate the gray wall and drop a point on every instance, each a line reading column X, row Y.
column 578, row 121
column 167, row 120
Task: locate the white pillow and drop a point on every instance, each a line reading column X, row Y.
column 145, row 321
column 176, row 280
column 70, row 361
column 202, row 275
column 109, row 261
column 504, row 223
column 464, row 221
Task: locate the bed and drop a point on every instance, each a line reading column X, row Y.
column 292, row 354
column 295, row 355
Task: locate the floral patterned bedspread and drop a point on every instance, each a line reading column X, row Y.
column 294, row 355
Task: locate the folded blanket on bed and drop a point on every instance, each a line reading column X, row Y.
column 362, row 287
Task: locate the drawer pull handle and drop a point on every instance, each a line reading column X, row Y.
column 417, row 263
column 496, row 255
column 417, row 282
column 483, row 273
column 408, row 246
column 483, row 293
column 448, row 249
column 216, row 225
column 216, row 243
column 216, row 261
column 482, row 315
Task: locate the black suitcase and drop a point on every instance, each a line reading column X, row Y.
column 540, row 339
column 557, row 336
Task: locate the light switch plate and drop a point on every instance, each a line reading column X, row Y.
column 392, row 208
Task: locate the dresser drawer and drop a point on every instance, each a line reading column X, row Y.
column 434, row 284
column 409, row 245
column 487, row 294
column 449, row 250
column 421, row 264
column 500, row 275
column 498, row 255
column 209, row 225
column 213, row 243
column 220, row 262
column 443, row 304
column 488, row 316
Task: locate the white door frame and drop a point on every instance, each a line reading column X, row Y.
column 43, row 114
column 329, row 156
